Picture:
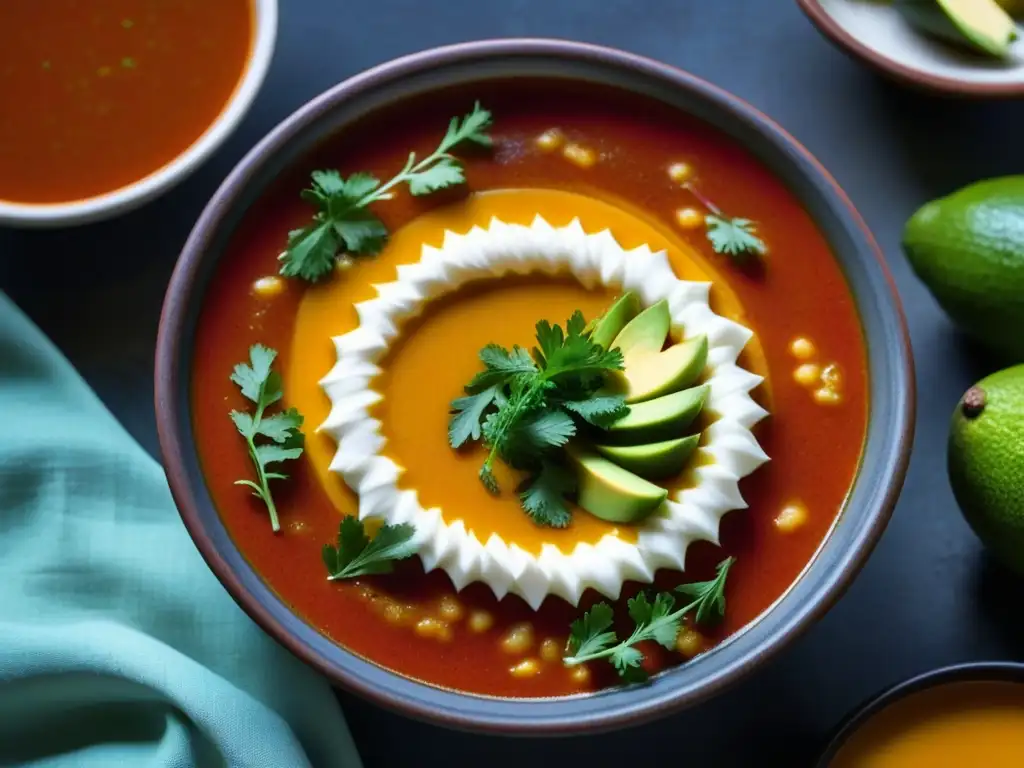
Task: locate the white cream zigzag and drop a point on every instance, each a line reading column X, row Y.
column 692, row 514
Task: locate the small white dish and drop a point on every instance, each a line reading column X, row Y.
column 118, row 201
column 879, row 35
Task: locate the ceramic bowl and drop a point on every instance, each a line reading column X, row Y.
column 876, row 33
column 980, row 671
column 872, row 498
column 122, row 200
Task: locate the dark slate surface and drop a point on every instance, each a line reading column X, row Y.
column 926, row 598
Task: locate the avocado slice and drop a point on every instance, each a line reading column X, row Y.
column 677, row 367
column 652, row 460
column 611, row 323
column 663, row 418
column 980, row 25
column 645, row 334
column 612, row 493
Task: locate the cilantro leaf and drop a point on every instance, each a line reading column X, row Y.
column 262, row 386
column 311, row 251
column 735, row 237
column 590, row 637
column 709, row 596
column 627, row 661
column 356, row 554
column 471, row 128
column 281, row 426
column 445, row 173
column 657, row 620
column 342, row 219
column 253, row 378
column 362, row 232
column 539, row 431
column 326, row 184
column 502, row 365
column 544, row 497
column 600, row 411
column 467, row 413
column 359, row 185
column 590, row 634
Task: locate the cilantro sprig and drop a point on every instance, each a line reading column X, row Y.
column 735, row 237
column 343, row 222
column 524, row 406
column 592, row 637
column 356, row 554
column 281, row 438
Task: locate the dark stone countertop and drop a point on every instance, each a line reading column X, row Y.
column 926, row 598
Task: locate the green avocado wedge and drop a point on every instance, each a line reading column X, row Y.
column 610, row 492
column 615, row 319
column 679, row 366
column 968, row 249
column 645, row 334
column 664, row 418
column 653, row 461
column 979, row 25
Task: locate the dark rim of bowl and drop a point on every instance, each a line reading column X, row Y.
column 975, row 671
column 834, row 31
column 606, row 709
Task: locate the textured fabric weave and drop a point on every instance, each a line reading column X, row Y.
column 118, row 646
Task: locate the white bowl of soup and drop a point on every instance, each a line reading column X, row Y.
column 105, row 106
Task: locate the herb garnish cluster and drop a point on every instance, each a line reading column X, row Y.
column 525, row 406
column 592, row 636
column 344, row 222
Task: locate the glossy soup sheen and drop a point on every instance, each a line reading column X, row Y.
column 98, row 94
column 814, row 449
column 977, row 723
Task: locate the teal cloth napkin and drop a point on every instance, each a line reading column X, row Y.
column 118, row 646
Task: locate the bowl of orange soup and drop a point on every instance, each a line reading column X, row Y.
column 531, row 386
column 104, row 106
column 968, row 714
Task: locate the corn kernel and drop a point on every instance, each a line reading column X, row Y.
column 827, row 396
column 807, row 374
column 450, row 608
column 831, row 377
column 689, row 642
column 550, row 140
column 343, row 263
column 433, row 628
column 526, row 668
column 393, row 612
column 550, row 650
column 518, row 640
column 579, row 155
column 689, row 218
column 680, row 172
column 580, row 674
column 792, row 517
column 802, row 348
column 480, row 621
column 268, row 286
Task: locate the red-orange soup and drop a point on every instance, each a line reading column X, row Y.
column 97, row 95
column 799, row 293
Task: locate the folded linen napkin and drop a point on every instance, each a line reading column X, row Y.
column 118, row 646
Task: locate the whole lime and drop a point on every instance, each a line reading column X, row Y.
column 968, row 248
column 986, row 462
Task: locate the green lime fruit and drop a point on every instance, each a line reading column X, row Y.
column 986, row 462
column 968, row 248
